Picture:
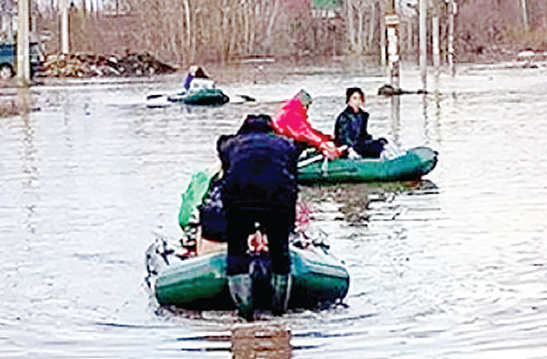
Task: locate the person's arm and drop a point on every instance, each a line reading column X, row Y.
column 223, row 144
column 325, row 136
column 343, row 135
column 305, row 133
column 364, row 135
column 188, row 81
column 294, row 125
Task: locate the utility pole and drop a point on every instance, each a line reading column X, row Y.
column 64, row 26
column 524, row 15
column 410, row 35
column 23, row 45
column 451, row 14
column 423, row 42
column 383, row 52
column 393, row 47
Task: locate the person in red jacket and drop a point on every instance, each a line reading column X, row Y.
column 291, row 120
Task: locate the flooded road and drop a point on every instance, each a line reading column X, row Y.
column 451, row 267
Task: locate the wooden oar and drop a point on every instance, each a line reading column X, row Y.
column 325, row 167
column 310, row 160
column 153, row 96
column 317, row 158
column 156, row 100
column 247, row 98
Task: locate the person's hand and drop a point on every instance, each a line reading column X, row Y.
column 352, row 155
column 329, row 150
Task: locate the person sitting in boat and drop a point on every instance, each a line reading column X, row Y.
column 259, row 192
column 194, row 73
column 351, row 128
column 291, row 120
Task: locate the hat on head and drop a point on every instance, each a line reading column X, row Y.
column 304, row 97
column 351, row 90
column 253, row 123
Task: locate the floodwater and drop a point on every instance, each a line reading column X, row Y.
column 454, row 266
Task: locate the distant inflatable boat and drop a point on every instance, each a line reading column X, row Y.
column 202, row 92
column 410, row 165
column 205, row 97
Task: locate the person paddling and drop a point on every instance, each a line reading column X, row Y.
column 291, row 120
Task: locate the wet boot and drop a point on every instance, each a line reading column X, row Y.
column 241, row 291
column 281, row 286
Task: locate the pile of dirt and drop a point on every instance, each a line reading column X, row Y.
column 86, row 65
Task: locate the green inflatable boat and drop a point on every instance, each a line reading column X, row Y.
column 204, row 96
column 200, row 283
column 412, row 164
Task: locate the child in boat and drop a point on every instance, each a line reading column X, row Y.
column 291, row 120
column 259, row 191
column 351, row 128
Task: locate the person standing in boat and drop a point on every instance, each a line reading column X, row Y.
column 291, row 120
column 351, row 128
column 259, row 192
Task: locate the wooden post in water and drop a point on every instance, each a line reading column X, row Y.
column 423, row 42
column 393, row 46
column 64, row 26
column 436, row 47
column 23, row 45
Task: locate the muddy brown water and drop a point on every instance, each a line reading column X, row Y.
column 450, row 267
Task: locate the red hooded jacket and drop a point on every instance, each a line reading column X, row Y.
column 292, row 121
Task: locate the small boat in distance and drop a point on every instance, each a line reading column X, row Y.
column 202, row 92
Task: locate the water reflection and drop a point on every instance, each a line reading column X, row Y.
column 357, row 203
column 396, row 118
column 224, row 332
column 24, row 100
column 261, row 340
column 424, row 108
column 30, row 172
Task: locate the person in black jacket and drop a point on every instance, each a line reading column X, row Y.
column 259, row 192
column 351, row 128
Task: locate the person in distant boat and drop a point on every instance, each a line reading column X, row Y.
column 351, row 128
column 194, row 72
column 259, row 192
column 291, row 120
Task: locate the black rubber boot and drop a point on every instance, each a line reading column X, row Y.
column 241, row 291
column 281, row 287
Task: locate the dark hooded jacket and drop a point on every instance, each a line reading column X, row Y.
column 260, row 167
column 351, row 128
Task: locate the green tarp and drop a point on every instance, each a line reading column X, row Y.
column 192, row 197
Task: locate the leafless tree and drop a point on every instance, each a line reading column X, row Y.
column 361, row 24
column 186, row 31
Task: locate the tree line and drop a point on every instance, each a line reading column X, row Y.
column 186, row 31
